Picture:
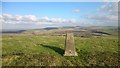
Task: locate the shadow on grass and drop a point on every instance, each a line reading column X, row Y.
column 56, row 49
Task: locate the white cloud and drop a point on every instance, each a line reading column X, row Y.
column 14, row 19
column 9, row 17
column 111, row 8
column 45, row 18
column 76, row 10
column 108, row 14
column 104, row 17
column 28, row 18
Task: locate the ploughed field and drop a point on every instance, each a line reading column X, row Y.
column 48, row 50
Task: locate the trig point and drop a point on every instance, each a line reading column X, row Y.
column 69, row 45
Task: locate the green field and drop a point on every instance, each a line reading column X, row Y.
column 31, row 50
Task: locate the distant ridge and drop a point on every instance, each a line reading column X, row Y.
column 11, row 31
column 50, row 28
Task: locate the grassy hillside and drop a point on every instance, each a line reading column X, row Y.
column 25, row 50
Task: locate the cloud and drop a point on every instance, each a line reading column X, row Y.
column 76, row 10
column 15, row 19
column 111, row 8
column 108, row 14
column 103, row 17
column 18, row 18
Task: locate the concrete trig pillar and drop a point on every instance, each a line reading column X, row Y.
column 69, row 45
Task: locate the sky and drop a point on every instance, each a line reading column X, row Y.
column 60, row 0
column 33, row 15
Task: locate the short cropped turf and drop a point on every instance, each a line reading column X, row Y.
column 30, row 50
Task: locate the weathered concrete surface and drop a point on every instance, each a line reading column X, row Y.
column 69, row 45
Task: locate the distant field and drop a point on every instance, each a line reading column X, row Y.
column 32, row 50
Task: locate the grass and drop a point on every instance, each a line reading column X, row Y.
column 24, row 50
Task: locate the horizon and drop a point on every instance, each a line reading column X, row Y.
column 64, row 27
